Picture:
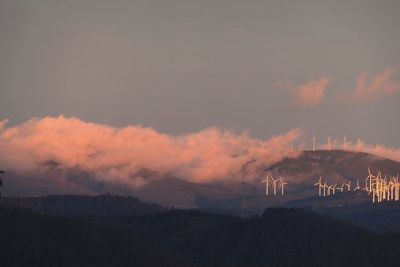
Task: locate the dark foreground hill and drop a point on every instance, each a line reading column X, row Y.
column 279, row 237
column 83, row 206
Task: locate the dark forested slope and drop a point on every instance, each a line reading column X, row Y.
column 280, row 237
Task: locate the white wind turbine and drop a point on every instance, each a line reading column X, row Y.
column 334, row 189
column 282, row 185
column 319, row 184
column 329, row 142
column 348, row 185
column 369, row 181
column 266, row 182
column 329, row 189
column 396, row 188
column 391, row 187
column 342, row 187
column 373, row 195
column 314, row 140
column 345, row 142
column 358, row 144
column 274, row 181
column 357, row 186
column 325, row 186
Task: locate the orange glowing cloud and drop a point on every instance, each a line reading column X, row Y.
column 375, row 87
column 118, row 154
column 312, row 93
column 306, row 95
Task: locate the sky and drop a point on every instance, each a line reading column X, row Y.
column 182, row 66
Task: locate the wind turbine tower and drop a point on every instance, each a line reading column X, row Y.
column 282, row 185
column 348, row 185
column 274, row 181
column 345, row 142
column 266, row 182
column 357, row 186
column 358, row 143
column 342, row 187
column 314, row 140
column 334, row 189
column 319, row 184
column 325, row 186
column 329, row 142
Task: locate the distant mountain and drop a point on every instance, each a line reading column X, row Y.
column 247, row 197
column 301, row 173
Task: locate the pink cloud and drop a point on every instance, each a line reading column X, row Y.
column 306, row 95
column 118, row 154
column 375, row 87
column 311, row 93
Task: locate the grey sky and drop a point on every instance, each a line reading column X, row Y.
column 181, row 65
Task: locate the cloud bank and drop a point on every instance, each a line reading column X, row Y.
column 119, row 154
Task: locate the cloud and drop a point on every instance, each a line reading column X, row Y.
column 306, row 95
column 118, row 155
column 312, row 93
column 383, row 84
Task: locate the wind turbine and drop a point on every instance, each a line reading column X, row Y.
column 329, row 189
column 357, row 186
column 329, row 142
column 358, row 143
column 396, row 188
column 319, row 185
column 274, row 181
column 325, row 186
column 334, row 189
column 348, row 185
column 266, row 182
column 345, row 142
column 373, row 195
column 369, row 180
column 314, row 140
column 282, row 185
column 379, row 186
column 342, row 187
column 391, row 188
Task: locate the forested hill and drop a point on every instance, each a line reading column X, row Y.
column 280, row 237
column 106, row 205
